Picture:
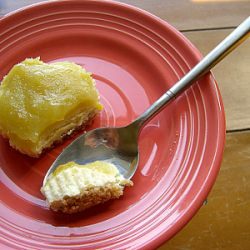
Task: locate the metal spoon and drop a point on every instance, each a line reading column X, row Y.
column 119, row 145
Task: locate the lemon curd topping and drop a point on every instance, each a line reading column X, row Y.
column 41, row 102
column 100, row 166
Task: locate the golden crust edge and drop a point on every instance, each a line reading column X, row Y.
column 89, row 197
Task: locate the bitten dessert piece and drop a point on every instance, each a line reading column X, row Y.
column 73, row 188
column 41, row 103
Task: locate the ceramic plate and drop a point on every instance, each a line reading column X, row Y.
column 134, row 57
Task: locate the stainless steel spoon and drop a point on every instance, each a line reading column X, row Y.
column 120, row 145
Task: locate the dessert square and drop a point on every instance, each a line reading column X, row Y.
column 41, row 103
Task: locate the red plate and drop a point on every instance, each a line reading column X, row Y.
column 135, row 57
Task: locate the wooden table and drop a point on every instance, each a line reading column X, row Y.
column 224, row 222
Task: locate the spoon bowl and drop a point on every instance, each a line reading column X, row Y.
column 120, row 145
column 114, row 145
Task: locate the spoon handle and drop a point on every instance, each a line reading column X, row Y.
column 203, row 67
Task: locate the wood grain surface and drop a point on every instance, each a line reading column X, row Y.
column 190, row 15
